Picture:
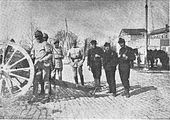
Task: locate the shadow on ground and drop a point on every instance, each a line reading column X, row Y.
column 142, row 90
column 136, row 89
column 67, row 91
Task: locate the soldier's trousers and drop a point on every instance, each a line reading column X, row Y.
column 96, row 70
column 77, row 70
column 124, row 71
column 42, row 75
column 110, row 76
column 58, row 73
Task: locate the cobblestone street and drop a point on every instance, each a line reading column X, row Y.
column 150, row 97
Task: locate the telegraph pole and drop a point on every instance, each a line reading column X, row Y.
column 67, row 38
column 146, row 44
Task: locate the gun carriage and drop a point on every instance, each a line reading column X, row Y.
column 16, row 70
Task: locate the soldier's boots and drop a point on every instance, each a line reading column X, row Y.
column 46, row 99
column 33, row 99
column 114, row 95
column 126, row 93
column 76, row 79
column 82, row 81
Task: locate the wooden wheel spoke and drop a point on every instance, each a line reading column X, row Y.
column 17, row 62
column 8, row 85
column 13, row 81
column 3, row 55
column 19, row 69
column 18, row 76
column 11, row 57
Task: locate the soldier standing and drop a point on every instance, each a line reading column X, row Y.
column 125, row 56
column 75, row 57
column 57, row 60
column 94, row 61
column 42, row 53
column 110, row 60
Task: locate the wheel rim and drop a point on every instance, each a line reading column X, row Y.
column 16, row 70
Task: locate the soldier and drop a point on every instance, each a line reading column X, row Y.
column 43, row 55
column 76, row 59
column 125, row 56
column 110, row 60
column 94, row 61
column 57, row 60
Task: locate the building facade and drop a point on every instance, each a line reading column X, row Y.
column 159, row 39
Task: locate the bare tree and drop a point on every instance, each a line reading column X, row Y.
column 65, row 39
column 28, row 43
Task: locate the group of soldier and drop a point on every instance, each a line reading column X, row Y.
column 48, row 59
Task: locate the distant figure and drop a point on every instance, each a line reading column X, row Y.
column 110, row 60
column 150, row 58
column 94, row 61
column 155, row 57
column 125, row 56
column 75, row 57
column 164, row 59
column 57, row 60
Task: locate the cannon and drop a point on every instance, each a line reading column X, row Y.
column 16, row 70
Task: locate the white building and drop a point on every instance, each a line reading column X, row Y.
column 159, row 39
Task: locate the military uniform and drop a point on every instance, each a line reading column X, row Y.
column 41, row 52
column 110, row 60
column 58, row 64
column 125, row 56
column 76, row 57
column 94, row 61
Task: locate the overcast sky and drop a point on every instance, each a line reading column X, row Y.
column 96, row 19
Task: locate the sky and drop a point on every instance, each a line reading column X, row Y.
column 97, row 19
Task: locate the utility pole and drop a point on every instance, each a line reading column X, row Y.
column 67, row 38
column 146, row 44
column 152, row 7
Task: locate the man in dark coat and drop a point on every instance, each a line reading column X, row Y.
column 94, row 61
column 125, row 56
column 110, row 60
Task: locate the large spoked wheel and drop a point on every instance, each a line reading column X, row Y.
column 16, row 70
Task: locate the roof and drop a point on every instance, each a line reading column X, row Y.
column 133, row 31
column 159, row 31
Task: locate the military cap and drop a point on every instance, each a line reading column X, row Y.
column 38, row 33
column 12, row 40
column 106, row 44
column 56, row 41
column 121, row 40
column 93, row 42
column 45, row 35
